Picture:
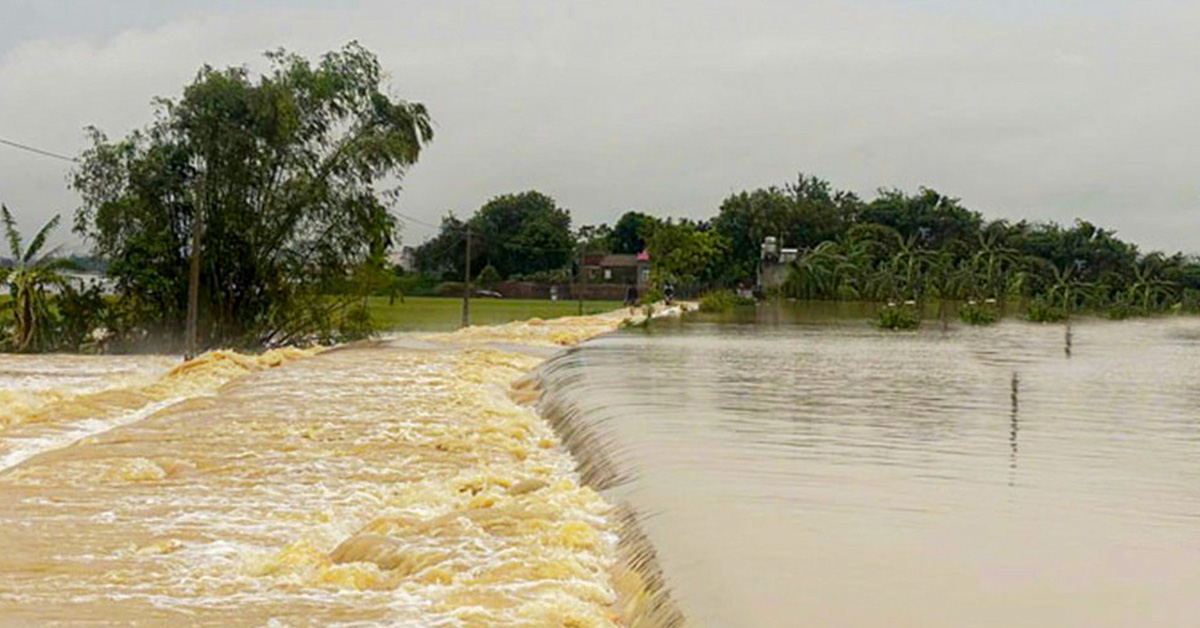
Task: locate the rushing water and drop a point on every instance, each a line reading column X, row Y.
column 394, row 483
column 791, row 470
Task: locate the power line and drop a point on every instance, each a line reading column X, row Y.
column 416, row 220
column 36, row 150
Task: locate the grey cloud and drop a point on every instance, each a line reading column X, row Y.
column 1042, row 111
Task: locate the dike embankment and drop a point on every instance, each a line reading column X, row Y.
column 405, row 481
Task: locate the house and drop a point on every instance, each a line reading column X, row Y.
column 774, row 263
column 405, row 258
column 617, row 268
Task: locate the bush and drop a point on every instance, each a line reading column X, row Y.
column 898, row 317
column 1121, row 310
column 978, row 313
column 1042, row 312
column 488, row 277
column 722, row 301
column 87, row 319
column 651, row 296
column 449, row 289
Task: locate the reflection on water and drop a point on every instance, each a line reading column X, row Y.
column 793, row 470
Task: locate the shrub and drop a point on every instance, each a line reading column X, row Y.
column 651, row 296
column 1042, row 312
column 449, row 289
column 1120, row 311
column 897, row 317
column 978, row 314
column 722, row 301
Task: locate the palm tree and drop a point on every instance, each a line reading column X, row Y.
column 30, row 274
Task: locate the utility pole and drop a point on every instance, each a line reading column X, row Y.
column 466, row 314
column 579, row 278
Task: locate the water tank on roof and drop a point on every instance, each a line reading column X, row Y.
column 770, row 247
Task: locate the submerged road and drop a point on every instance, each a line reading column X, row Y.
column 388, row 483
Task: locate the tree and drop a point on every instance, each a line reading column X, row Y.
column 594, row 239
column 684, row 254
column 488, row 277
column 516, row 234
column 630, row 233
column 936, row 221
column 31, row 273
column 272, row 181
column 444, row 254
column 523, row 233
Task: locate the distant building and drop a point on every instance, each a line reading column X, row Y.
column 405, row 258
column 617, row 268
column 773, row 263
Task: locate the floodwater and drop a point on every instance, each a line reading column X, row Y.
column 792, row 469
column 395, row 483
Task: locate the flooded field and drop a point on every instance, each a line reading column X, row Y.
column 392, row 483
column 797, row 468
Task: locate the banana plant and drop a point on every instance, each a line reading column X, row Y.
column 31, row 273
column 1149, row 289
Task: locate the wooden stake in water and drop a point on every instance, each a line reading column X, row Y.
column 1014, row 429
column 1067, row 340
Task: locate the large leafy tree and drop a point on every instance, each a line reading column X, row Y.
column 630, row 233
column 685, row 253
column 280, row 182
column 515, row 234
column 32, row 272
column 523, row 233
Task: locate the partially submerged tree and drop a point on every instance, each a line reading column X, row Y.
column 31, row 273
column 274, row 181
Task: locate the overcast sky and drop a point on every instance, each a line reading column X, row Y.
column 1048, row 109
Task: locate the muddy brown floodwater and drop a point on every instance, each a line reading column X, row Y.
column 393, row 483
column 794, row 468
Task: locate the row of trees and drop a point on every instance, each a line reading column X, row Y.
column 254, row 210
column 895, row 247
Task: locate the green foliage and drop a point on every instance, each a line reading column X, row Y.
column 802, row 214
column 29, row 279
column 523, row 233
column 488, row 277
column 631, row 231
column 651, row 296
column 517, row 234
column 417, row 284
column 684, row 254
column 87, row 322
column 282, row 175
column 595, row 239
column 898, row 317
column 978, row 313
column 722, row 301
column 1041, row 311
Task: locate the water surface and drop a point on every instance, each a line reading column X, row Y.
column 798, row 469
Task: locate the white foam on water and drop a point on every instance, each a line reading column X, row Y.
column 74, row 432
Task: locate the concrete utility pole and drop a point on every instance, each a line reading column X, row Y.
column 580, row 279
column 466, row 317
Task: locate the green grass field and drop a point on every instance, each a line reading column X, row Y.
column 445, row 313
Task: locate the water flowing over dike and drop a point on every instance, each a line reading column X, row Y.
column 398, row 482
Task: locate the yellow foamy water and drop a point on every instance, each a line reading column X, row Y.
column 377, row 485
